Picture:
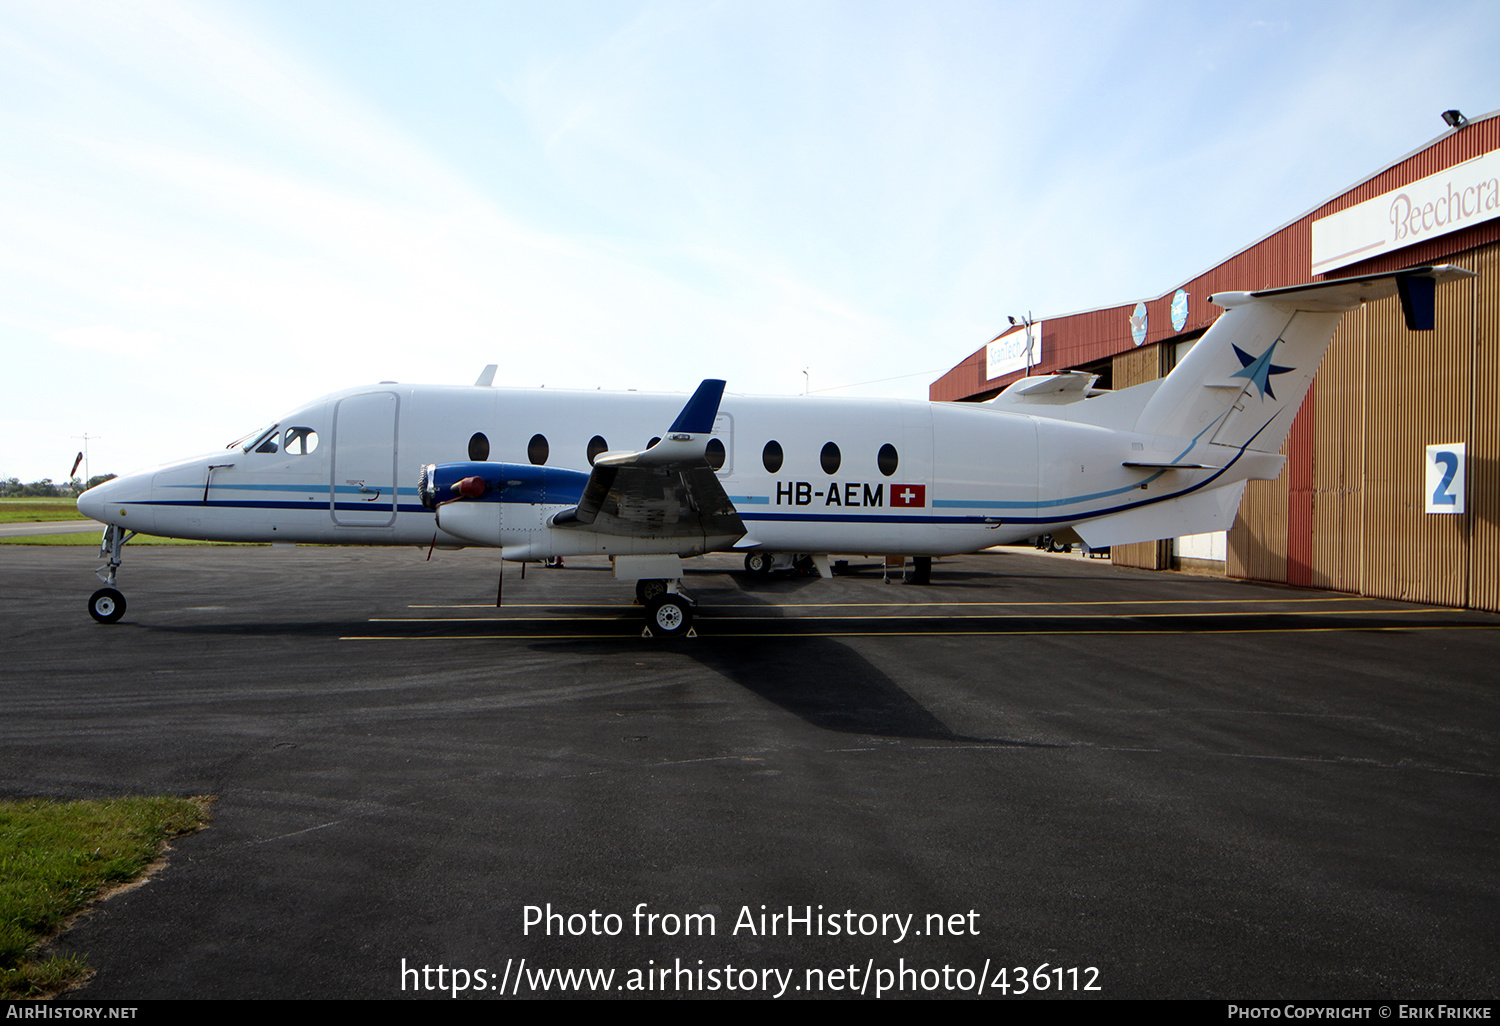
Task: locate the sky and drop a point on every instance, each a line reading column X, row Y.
column 211, row 213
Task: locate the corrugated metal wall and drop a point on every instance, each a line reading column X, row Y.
column 1484, row 437
column 1349, row 512
column 1338, row 459
column 1418, row 392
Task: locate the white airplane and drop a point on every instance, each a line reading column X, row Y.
column 649, row 480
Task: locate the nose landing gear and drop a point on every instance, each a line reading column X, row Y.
column 107, row 605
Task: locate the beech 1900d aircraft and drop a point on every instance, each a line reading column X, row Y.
column 650, row 480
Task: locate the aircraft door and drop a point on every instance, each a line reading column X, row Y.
column 363, row 488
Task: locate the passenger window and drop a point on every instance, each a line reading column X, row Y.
column 887, row 459
column 479, row 447
column 597, row 445
column 537, row 450
column 831, row 458
column 299, row 441
column 715, row 453
column 771, row 457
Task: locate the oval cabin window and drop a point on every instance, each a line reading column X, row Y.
column 771, row 457
column 715, row 453
column 597, row 447
column 830, row 458
column 887, row 459
column 479, row 447
column 537, row 450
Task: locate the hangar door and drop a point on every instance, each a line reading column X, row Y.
column 363, row 492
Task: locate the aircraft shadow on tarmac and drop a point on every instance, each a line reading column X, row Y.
column 750, row 634
column 832, row 687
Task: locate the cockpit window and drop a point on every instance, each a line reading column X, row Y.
column 299, row 441
column 255, row 440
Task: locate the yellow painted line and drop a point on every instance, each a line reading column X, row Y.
column 914, row 602
column 915, row 616
column 909, row 634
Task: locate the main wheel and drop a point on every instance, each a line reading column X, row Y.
column 106, row 605
column 648, row 588
column 759, row 563
column 669, row 616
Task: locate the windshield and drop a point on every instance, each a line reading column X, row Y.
column 254, row 439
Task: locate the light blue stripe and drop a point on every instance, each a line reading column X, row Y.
column 320, row 486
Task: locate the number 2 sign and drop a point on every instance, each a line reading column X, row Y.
column 1444, row 490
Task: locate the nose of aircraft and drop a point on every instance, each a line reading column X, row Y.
column 91, row 502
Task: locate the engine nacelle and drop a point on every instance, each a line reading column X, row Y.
column 442, row 483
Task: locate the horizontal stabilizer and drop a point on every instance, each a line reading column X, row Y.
column 1243, row 382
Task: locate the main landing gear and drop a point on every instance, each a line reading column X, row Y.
column 763, row 564
column 669, row 610
column 107, row 605
column 670, row 616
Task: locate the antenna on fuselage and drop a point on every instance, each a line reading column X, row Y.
column 487, row 376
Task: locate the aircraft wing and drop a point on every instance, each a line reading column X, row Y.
column 667, row 491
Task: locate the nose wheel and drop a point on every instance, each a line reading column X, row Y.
column 106, row 605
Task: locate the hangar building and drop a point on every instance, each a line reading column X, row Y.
column 1351, row 510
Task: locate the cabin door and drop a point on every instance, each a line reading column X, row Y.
column 363, row 491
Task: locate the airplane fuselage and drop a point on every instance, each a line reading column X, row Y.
column 806, row 474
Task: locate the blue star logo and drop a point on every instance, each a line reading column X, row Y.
column 1259, row 369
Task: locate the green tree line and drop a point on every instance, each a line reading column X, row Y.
column 12, row 488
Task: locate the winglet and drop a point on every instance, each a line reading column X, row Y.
column 697, row 417
column 1418, row 301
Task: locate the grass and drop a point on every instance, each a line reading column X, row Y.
column 90, row 539
column 56, row 857
column 37, row 510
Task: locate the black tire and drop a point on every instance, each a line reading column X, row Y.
column 759, row 564
column 921, row 570
column 669, row 616
column 1058, row 546
column 106, row 605
column 648, row 589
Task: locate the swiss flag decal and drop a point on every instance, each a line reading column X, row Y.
column 908, row 495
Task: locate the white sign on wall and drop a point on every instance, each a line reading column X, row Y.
column 1465, row 194
column 1444, row 490
column 1009, row 352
